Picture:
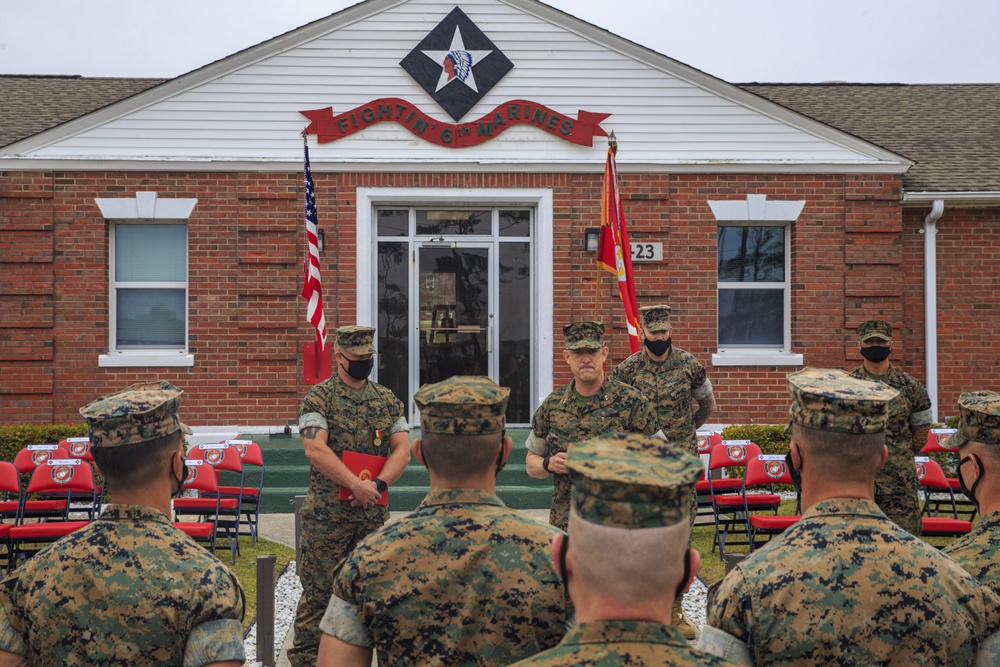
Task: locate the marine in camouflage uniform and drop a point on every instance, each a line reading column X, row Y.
column 910, row 418
column 566, row 416
column 626, row 483
column 367, row 419
column 128, row 589
column 844, row 585
column 673, row 380
column 978, row 443
column 463, row 580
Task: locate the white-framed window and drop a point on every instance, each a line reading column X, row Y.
column 148, row 281
column 754, row 282
column 148, row 305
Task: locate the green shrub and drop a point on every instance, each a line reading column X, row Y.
column 16, row 437
column 772, row 439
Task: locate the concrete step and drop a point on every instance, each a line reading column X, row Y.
column 287, row 475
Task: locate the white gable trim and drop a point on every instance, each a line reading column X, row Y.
column 45, row 150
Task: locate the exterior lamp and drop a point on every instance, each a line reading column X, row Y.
column 591, row 239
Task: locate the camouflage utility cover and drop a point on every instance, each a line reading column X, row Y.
column 462, row 405
column 614, row 643
column 463, row 580
column 831, row 400
column 846, row 586
column 129, row 589
column 356, row 340
column 561, row 421
column 979, row 420
column 655, row 318
column 627, row 481
column 584, row 336
column 138, row 413
column 875, row 329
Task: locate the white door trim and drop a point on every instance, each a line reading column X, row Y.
column 539, row 198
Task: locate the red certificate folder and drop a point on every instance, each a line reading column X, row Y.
column 366, row 467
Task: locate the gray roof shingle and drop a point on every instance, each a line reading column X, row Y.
column 951, row 131
column 31, row 104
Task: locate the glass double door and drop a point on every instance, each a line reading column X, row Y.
column 455, row 311
column 453, row 304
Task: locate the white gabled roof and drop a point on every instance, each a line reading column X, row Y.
column 242, row 112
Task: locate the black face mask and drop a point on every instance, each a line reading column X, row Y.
column 500, row 461
column 562, row 564
column 359, row 369
column 679, row 593
column 875, row 353
column 185, row 471
column 794, row 473
column 970, row 493
column 658, row 347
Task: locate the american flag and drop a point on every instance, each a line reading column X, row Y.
column 312, row 288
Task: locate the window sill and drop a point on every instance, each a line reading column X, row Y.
column 144, row 360
column 749, row 358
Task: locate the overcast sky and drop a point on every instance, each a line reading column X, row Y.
column 805, row 41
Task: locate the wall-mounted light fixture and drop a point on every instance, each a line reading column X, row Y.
column 320, row 240
column 591, row 239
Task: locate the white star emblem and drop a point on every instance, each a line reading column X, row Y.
column 457, row 62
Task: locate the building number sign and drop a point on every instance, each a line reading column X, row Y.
column 647, row 251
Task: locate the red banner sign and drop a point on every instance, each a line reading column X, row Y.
column 580, row 130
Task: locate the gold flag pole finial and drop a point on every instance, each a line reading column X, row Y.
column 613, row 141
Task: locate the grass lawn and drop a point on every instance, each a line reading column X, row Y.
column 245, row 568
column 712, row 568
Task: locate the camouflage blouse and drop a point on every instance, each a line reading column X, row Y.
column 358, row 421
column 560, row 421
column 846, row 586
column 670, row 387
column 631, row 643
column 979, row 551
column 129, row 589
column 463, row 580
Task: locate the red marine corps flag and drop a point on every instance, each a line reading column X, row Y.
column 614, row 253
column 312, row 288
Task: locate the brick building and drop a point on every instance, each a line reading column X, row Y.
column 153, row 229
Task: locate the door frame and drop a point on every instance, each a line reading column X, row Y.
column 541, row 249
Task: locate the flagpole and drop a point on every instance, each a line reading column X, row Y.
column 613, row 147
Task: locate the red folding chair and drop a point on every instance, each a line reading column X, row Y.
column 75, row 477
column 202, row 478
column 767, row 470
column 706, row 440
column 10, row 501
column 936, row 437
column 53, row 505
column 252, row 457
column 726, row 494
column 931, row 477
column 78, row 448
column 220, row 457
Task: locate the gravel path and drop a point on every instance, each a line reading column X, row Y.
column 287, row 590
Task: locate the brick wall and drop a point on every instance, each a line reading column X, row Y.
column 854, row 256
column 968, row 269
